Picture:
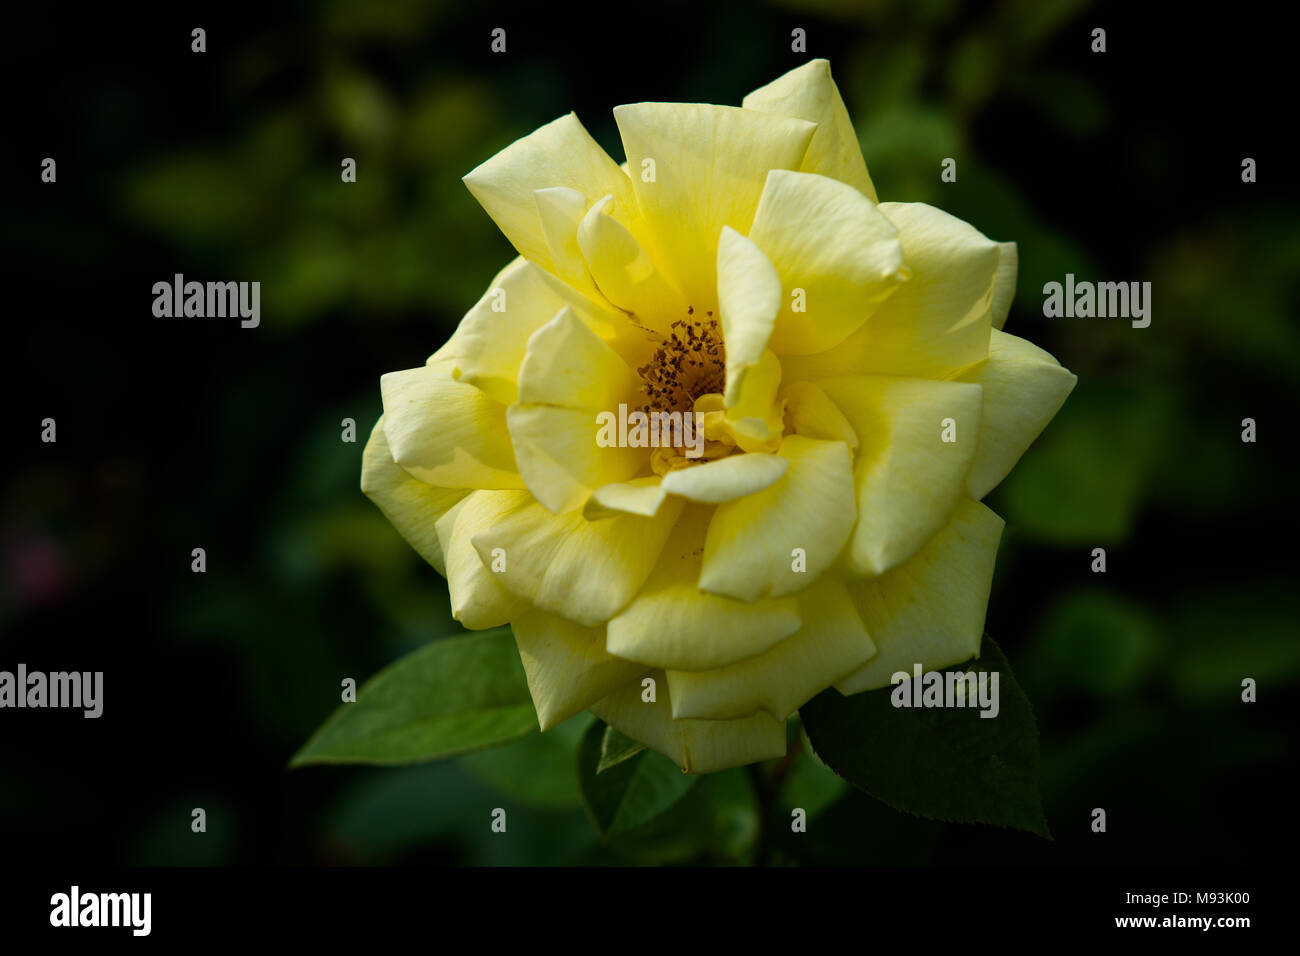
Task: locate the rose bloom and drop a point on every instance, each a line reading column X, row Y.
column 858, row 398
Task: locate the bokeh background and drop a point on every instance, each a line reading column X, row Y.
column 174, row 435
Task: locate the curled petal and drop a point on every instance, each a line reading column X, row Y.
column 749, row 298
column 754, row 415
column 727, row 478
column 569, row 366
column 640, row 496
column 624, row 271
column 560, row 211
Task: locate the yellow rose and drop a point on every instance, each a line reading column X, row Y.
column 857, row 395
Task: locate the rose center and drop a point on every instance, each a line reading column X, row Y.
column 690, row 362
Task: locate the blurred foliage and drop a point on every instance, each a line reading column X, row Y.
column 228, row 165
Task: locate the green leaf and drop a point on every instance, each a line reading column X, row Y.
column 457, row 695
column 945, row 763
column 633, row 791
column 615, row 748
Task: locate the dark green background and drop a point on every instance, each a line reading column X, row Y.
column 174, row 435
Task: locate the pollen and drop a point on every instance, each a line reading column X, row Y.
column 691, row 361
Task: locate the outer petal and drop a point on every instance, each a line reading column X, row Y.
column 831, row 645
column 585, row 571
column 727, row 478
column 478, row 600
column 930, row 609
column 409, row 504
column 1024, row 388
column 749, row 551
column 709, row 166
column 566, row 665
column 568, row 377
column 697, row 746
column 831, row 242
column 671, row 623
column 809, row 93
column 935, row 323
column 445, row 432
column 561, row 153
column 908, row 478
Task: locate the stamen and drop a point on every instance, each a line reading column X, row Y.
column 689, row 363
